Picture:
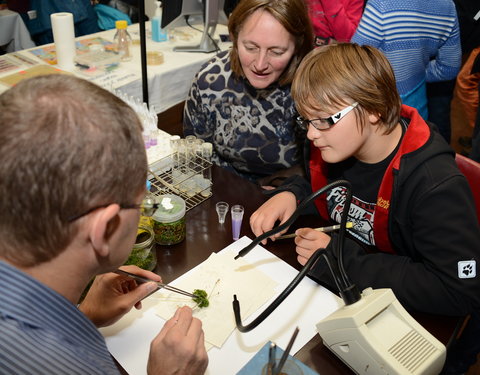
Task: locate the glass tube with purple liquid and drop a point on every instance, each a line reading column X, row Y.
column 237, row 216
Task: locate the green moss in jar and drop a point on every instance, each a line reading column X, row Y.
column 169, row 222
column 169, row 233
column 142, row 254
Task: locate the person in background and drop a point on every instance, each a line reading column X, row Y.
column 469, row 20
column 475, row 151
column 466, row 98
column 240, row 100
column 72, row 179
column 36, row 15
column 334, row 20
column 128, row 7
column 421, row 41
column 441, row 110
column 468, row 12
column 415, row 228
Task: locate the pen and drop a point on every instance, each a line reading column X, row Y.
column 142, row 280
column 322, row 229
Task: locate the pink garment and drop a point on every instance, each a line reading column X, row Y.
column 335, row 19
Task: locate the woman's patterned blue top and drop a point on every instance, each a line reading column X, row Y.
column 252, row 130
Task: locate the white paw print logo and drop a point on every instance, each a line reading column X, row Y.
column 467, row 269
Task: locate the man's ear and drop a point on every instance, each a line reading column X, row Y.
column 104, row 224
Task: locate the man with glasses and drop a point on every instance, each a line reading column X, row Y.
column 415, row 228
column 72, row 179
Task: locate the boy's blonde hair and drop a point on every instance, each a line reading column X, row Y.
column 337, row 75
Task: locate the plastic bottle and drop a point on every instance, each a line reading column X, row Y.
column 158, row 34
column 122, row 40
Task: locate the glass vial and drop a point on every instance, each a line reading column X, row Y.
column 207, row 151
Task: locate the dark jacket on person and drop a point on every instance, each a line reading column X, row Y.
column 427, row 233
column 36, row 15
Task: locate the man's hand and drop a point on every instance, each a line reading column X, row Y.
column 279, row 207
column 111, row 296
column 179, row 348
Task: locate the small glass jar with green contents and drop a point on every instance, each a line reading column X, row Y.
column 169, row 220
column 143, row 253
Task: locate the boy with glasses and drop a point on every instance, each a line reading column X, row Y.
column 415, row 228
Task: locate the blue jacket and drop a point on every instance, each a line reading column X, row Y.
column 40, row 28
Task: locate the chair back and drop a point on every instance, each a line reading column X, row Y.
column 471, row 170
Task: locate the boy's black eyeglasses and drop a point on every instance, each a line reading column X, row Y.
column 148, row 207
column 327, row 122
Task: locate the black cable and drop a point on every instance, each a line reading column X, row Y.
column 345, row 280
column 217, row 48
column 293, row 284
column 341, row 235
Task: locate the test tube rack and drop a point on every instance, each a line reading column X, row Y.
column 188, row 179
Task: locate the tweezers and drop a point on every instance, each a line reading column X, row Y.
column 142, row 280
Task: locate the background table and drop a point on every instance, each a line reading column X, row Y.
column 168, row 83
column 14, row 35
column 206, row 235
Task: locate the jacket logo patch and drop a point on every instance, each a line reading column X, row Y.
column 383, row 203
column 467, row 269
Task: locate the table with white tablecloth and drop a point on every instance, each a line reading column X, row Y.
column 168, row 83
column 14, row 35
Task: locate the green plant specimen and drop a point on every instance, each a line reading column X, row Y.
column 201, row 298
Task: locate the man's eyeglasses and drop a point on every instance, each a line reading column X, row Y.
column 148, row 208
column 327, row 122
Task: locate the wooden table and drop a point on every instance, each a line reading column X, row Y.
column 205, row 234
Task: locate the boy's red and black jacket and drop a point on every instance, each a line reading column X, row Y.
column 425, row 227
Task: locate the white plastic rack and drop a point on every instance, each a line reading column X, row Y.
column 189, row 179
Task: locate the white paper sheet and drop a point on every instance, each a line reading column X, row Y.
column 221, row 276
column 129, row 339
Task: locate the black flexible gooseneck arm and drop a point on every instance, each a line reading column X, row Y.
column 347, row 290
